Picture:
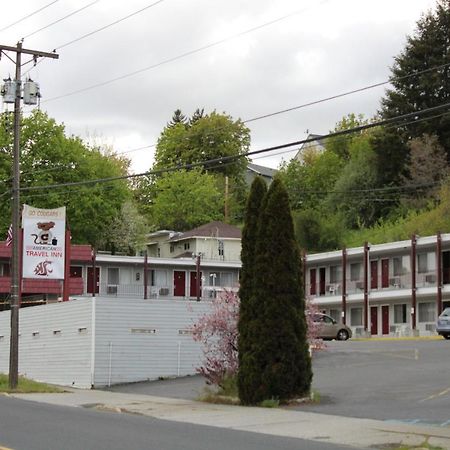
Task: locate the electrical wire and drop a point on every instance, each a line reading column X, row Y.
column 98, row 30
column 61, row 19
column 222, row 160
column 28, row 15
column 180, row 56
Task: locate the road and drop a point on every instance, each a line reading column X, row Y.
column 28, row 425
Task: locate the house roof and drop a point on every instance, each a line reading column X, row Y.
column 214, row 229
column 261, row 170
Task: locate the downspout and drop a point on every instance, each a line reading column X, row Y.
column 413, row 281
column 344, row 286
column 439, row 273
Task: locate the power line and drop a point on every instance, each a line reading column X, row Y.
column 180, row 56
column 226, row 159
column 60, row 20
column 28, row 15
column 98, row 30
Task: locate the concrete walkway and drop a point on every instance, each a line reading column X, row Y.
column 358, row 433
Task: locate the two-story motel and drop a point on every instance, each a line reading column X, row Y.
column 398, row 288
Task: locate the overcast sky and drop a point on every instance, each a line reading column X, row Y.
column 254, row 57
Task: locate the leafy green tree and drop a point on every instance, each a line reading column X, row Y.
column 248, row 310
column 186, row 199
column 49, row 157
column 426, row 49
column 128, row 230
column 353, row 195
column 208, row 137
column 282, row 366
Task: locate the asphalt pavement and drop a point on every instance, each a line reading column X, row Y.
column 356, row 380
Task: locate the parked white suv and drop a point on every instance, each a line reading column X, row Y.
column 443, row 324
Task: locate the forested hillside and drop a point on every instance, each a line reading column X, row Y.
column 387, row 182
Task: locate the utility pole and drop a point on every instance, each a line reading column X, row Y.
column 15, row 269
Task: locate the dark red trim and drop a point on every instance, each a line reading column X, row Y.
column 66, row 281
column 413, row 282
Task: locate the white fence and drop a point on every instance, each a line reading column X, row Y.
column 85, row 343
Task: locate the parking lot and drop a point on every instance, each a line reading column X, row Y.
column 393, row 380
column 398, row 380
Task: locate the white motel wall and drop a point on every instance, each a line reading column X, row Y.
column 93, row 343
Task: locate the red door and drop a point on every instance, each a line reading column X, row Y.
column 385, row 318
column 90, row 280
column 179, row 283
column 374, row 320
column 312, row 281
column 385, row 273
column 193, row 285
column 373, row 274
column 322, row 281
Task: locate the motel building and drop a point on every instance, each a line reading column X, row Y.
column 392, row 289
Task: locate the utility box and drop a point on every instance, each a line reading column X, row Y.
column 8, row 91
column 31, row 92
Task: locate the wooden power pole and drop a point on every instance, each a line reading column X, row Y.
column 15, row 196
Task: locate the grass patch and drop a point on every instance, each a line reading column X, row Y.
column 270, row 403
column 26, row 386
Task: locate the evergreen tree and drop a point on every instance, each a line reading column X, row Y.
column 198, row 114
column 248, row 311
column 281, row 366
column 178, row 117
column 428, row 48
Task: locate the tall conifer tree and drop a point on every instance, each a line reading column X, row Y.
column 248, row 311
column 281, row 359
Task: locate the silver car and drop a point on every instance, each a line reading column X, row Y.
column 330, row 329
column 443, row 324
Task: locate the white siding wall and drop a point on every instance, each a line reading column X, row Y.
column 54, row 343
column 134, row 340
column 145, row 339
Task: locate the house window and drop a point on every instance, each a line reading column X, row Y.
column 355, row 272
column 221, row 250
column 356, row 316
column 172, row 248
column 400, row 313
column 427, row 312
column 159, row 252
column 187, row 246
column 335, row 274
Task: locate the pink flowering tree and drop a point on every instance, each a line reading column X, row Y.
column 217, row 332
column 313, row 328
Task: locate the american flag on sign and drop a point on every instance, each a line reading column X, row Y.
column 9, row 236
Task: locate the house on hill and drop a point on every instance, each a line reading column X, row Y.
column 254, row 170
column 315, row 143
column 213, row 241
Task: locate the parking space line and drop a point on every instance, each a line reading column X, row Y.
column 433, row 396
column 5, row 448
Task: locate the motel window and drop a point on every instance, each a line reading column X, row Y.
column 187, row 246
column 427, row 312
column 356, row 316
column 4, row 270
column 76, row 272
column 113, row 276
column 172, row 248
column 221, row 248
column 335, row 274
column 400, row 313
column 355, row 272
column 335, row 314
column 422, row 263
column 160, row 277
